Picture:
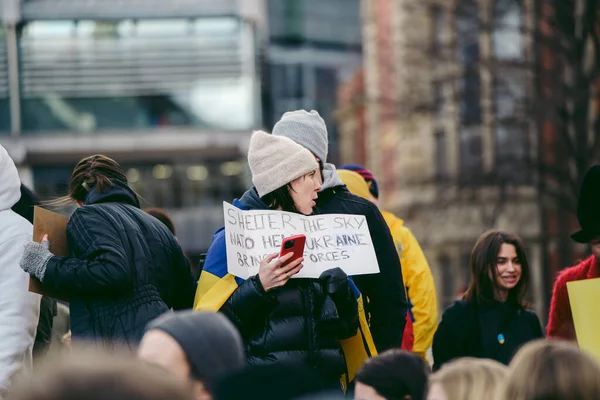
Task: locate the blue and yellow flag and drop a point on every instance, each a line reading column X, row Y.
column 216, row 285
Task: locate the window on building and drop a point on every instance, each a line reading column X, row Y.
column 438, row 29
column 512, row 152
column 511, row 133
column 441, row 155
column 507, row 30
column 510, row 89
column 468, row 31
column 168, row 185
column 471, row 153
column 439, row 103
column 87, row 76
column 287, row 86
column 470, row 98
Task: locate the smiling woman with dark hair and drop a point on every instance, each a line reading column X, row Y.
column 492, row 321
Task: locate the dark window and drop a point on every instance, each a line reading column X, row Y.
column 471, row 160
column 468, row 30
column 287, row 88
column 470, row 98
column 512, row 148
column 438, row 29
column 441, row 158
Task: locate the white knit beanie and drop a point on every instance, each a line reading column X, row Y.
column 276, row 161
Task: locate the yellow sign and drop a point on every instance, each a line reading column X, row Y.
column 584, row 297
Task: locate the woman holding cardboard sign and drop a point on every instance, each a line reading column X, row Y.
column 125, row 268
column 282, row 320
column 492, row 321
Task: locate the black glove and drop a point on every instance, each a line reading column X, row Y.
column 335, row 282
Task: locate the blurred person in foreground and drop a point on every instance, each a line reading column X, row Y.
column 163, row 217
column 551, row 369
column 467, row 379
column 493, row 320
column 422, row 316
column 560, row 319
column 282, row 320
column 384, row 292
column 124, row 269
column 99, row 377
column 393, row 375
column 276, row 382
column 19, row 309
column 48, row 306
column 197, row 347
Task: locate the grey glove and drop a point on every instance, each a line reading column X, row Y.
column 35, row 258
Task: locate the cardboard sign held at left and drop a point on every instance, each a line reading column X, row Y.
column 55, row 226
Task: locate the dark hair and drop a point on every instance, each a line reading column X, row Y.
column 484, row 260
column 396, row 374
column 280, row 197
column 163, row 217
column 98, row 377
column 95, row 171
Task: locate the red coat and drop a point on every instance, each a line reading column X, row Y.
column 560, row 320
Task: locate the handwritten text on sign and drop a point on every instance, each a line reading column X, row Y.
column 332, row 240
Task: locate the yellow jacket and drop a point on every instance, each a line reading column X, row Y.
column 418, row 281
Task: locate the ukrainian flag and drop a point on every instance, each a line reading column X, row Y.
column 216, row 286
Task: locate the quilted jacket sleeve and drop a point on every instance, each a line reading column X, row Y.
column 99, row 262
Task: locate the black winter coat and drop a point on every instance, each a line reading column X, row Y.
column 300, row 323
column 125, row 269
column 386, row 306
column 467, row 330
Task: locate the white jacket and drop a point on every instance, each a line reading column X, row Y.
column 19, row 309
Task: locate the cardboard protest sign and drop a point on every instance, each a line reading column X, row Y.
column 55, row 226
column 584, row 296
column 332, row 240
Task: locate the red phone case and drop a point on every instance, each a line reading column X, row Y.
column 293, row 244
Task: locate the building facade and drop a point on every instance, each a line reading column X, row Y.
column 447, row 87
column 313, row 46
column 169, row 89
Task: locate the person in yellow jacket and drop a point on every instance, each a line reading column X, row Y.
column 417, row 275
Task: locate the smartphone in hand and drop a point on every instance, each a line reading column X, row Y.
column 293, row 244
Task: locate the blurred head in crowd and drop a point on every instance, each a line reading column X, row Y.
column 275, row 382
column 308, row 130
column 163, row 217
column 196, row 347
column 467, row 379
column 393, row 375
column 94, row 172
column 499, row 270
column 99, row 377
column 552, row 369
column 283, row 173
column 355, row 183
column 24, row 207
column 367, row 176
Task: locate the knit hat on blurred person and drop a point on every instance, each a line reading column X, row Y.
column 307, row 129
column 367, row 176
column 211, row 343
column 276, row 161
column 355, row 183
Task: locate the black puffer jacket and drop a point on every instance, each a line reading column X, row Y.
column 385, row 291
column 125, row 269
column 299, row 323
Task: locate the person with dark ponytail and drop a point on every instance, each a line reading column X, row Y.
column 125, row 268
